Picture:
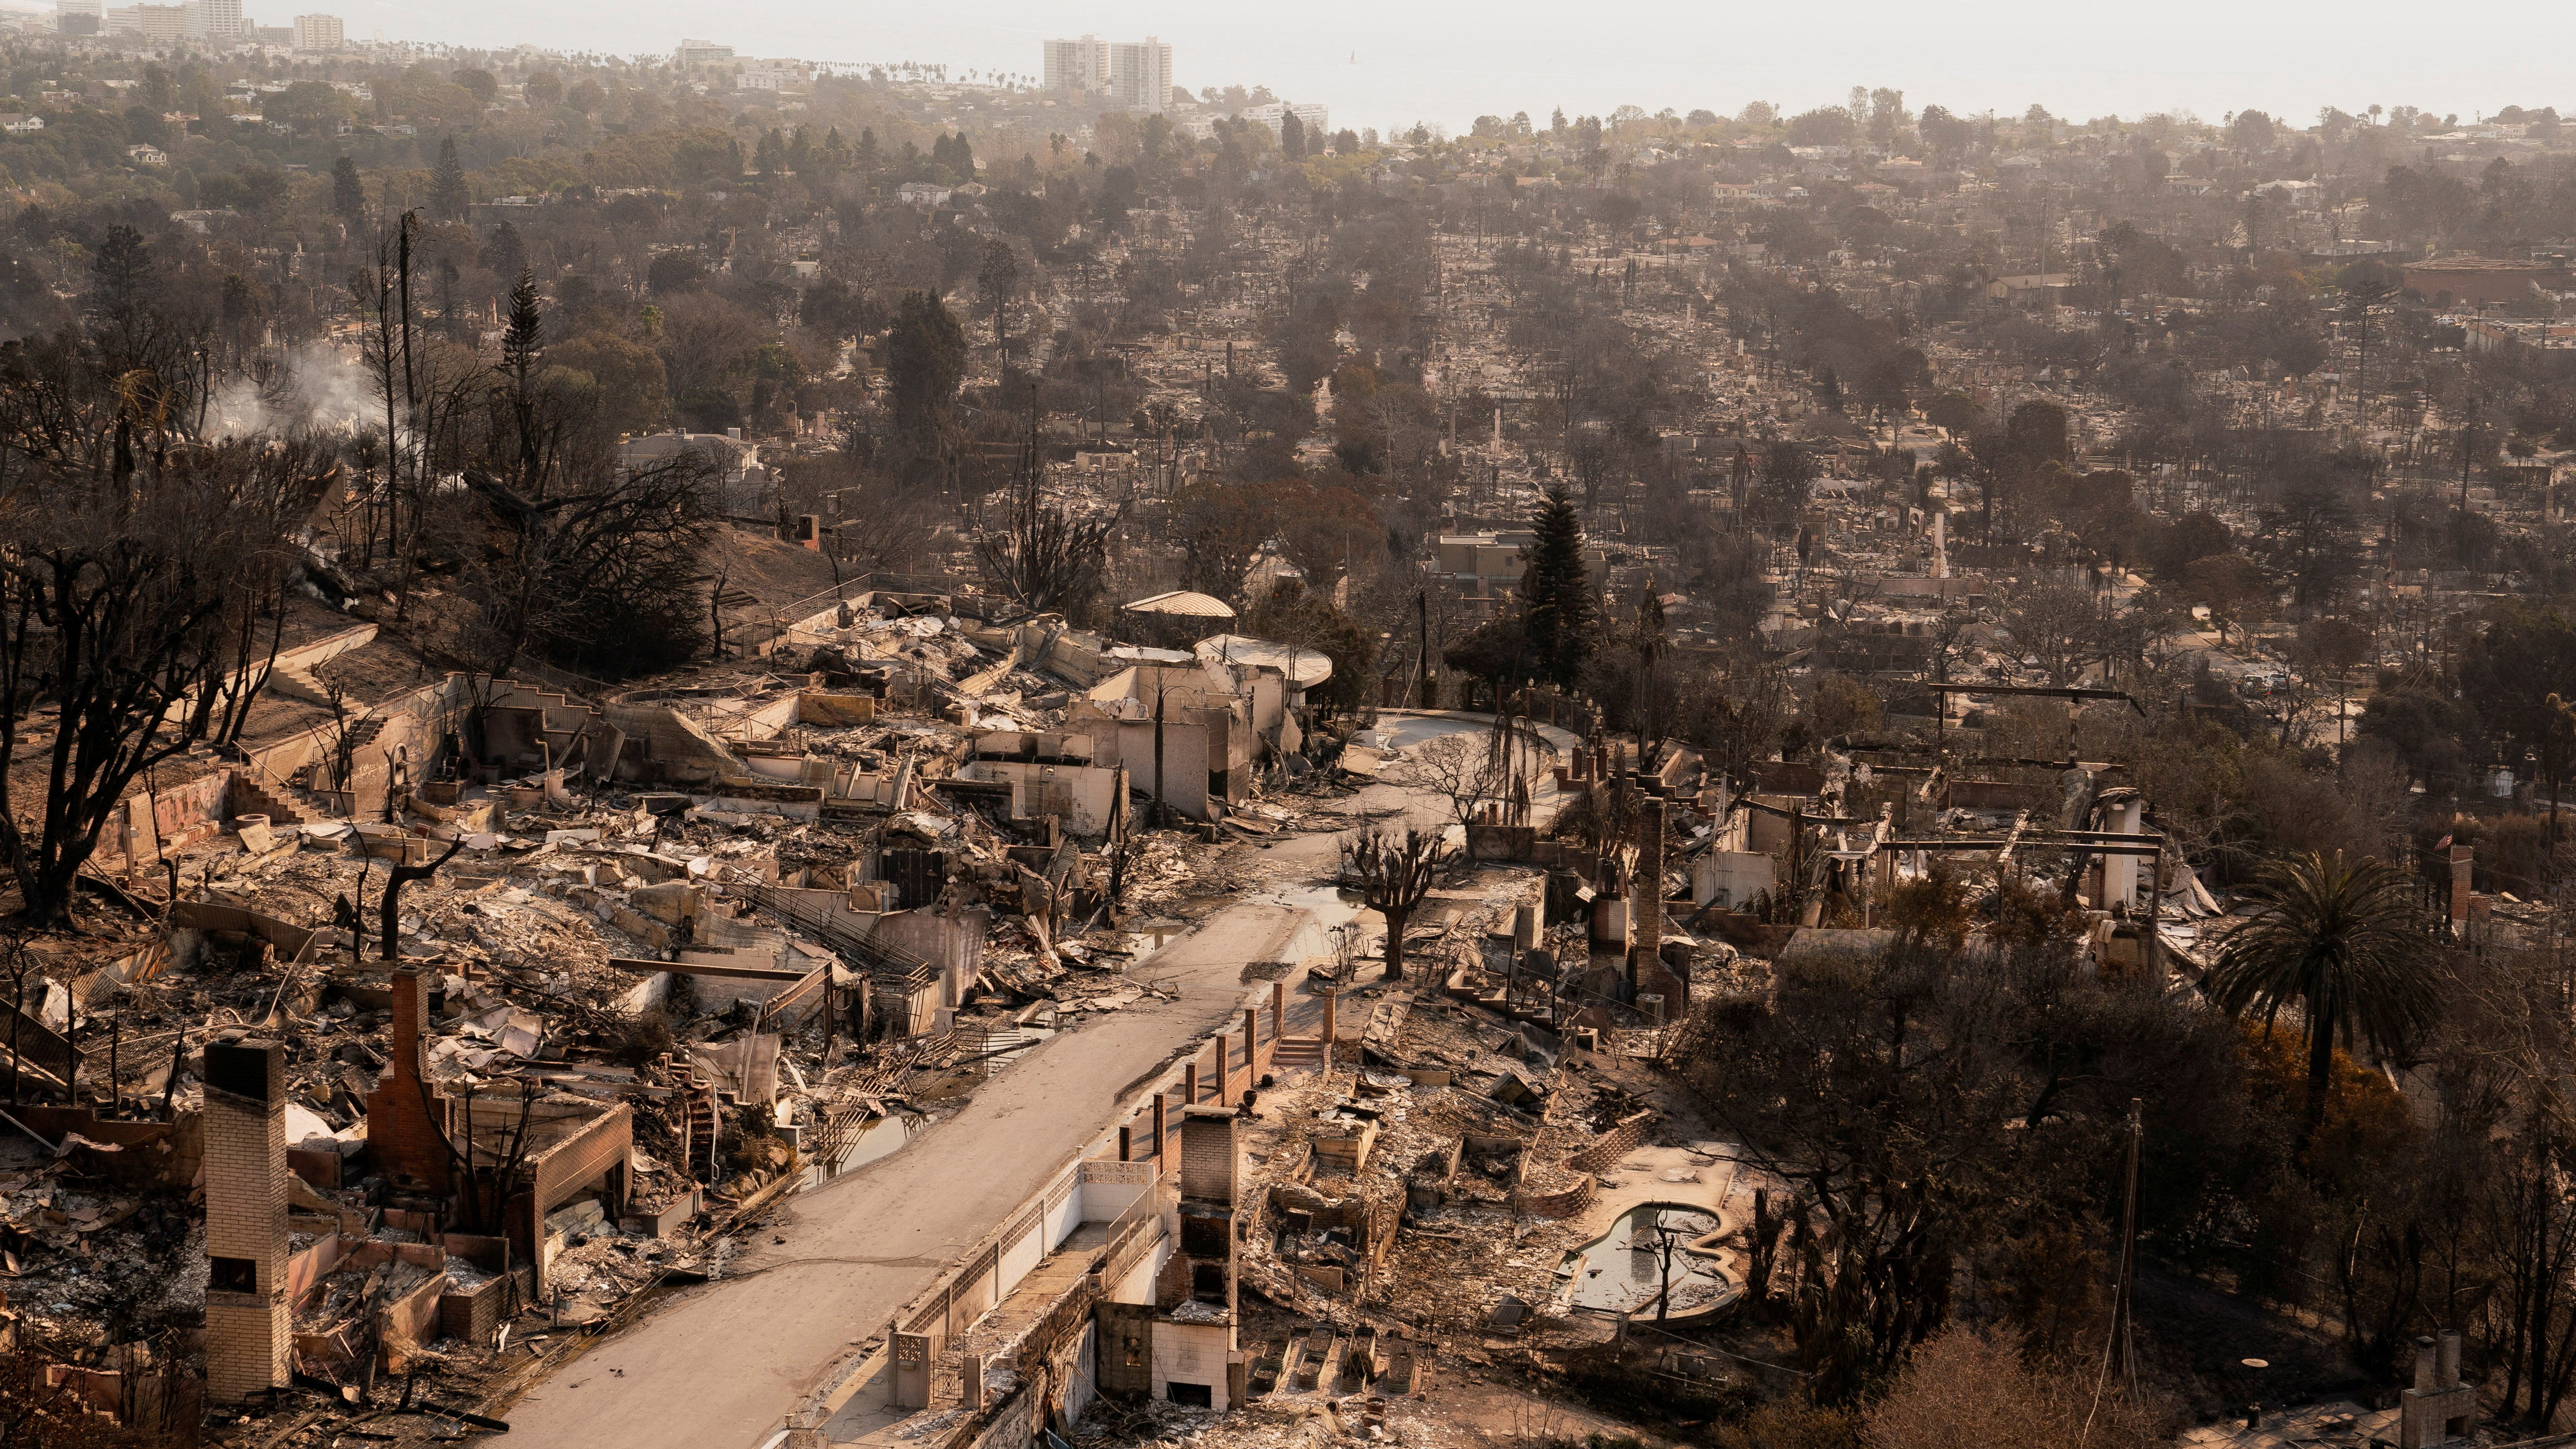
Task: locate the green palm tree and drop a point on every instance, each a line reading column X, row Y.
column 2340, row 943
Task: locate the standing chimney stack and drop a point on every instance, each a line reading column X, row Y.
column 248, row 1320
column 1646, row 893
column 2439, row 1409
column 2462, row 858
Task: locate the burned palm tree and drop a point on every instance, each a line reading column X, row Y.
column 2341, row 944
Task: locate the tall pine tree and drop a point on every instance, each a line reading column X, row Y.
column 925, row 362
column 348, row 193
column 523, row 344
column 504, row 253
column 1557, row 612
column 449, row 196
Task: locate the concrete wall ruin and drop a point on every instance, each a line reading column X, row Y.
column 1083, row 796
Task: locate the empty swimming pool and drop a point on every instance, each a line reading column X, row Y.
column 1625, row 1269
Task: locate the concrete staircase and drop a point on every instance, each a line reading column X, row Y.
column 246, row 797
column 297, row 681
column 362, row 733
column 1294, row 1053
column 701, row 1121
column 292, row 674
column 298, row 788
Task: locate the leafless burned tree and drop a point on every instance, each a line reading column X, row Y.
column 1043, row 557
column 1394, row 870
column 128, row 628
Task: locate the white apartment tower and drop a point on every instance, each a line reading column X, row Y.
column 1077, row 66
column 153, row 24
column 216, row 20
column 1140, row 76
column 1313, row 116
column 319, row 32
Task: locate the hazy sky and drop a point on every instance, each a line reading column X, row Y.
column 1390, row 62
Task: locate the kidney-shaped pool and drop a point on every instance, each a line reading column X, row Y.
column 1655, row 1249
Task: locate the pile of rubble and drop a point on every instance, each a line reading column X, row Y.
column 555, row 1010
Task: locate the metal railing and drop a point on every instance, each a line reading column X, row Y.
column 1132, row 1221
column 882, row 959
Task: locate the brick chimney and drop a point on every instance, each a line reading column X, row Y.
column 2439, row 1408
column 410, row 1007
column 1646, row 894
column 248, row 1320
column 1209, row 1162
column 2461, row 867
column 406, row 1113
column 1202, row 1271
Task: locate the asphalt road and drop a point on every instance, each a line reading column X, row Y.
column 717, row 1366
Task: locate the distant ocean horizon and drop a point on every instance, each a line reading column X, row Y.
column 1392, row 63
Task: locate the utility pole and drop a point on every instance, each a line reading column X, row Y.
column 2468, row 449
column 2125, row 1347
column 2043, row 230
column 1422, row 621
column 1162, row 687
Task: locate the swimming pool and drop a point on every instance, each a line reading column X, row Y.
column 1624, row 1270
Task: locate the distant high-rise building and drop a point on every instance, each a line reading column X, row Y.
column 320, row 32
column 152, row 24
column 215, row 20
column 1140, row 76
column 79, row 17
column 1078, row 66
column 1315, row 118
column 776, row 75
column 694, row 53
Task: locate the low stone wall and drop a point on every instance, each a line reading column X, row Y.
column 1614, row 1144
column 1563, row 1203
column 1589, row 1163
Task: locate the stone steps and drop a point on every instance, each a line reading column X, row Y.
column 249, row 799
column 1297, row 1051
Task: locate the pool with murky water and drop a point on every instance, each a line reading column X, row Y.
column 1626, row 1269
